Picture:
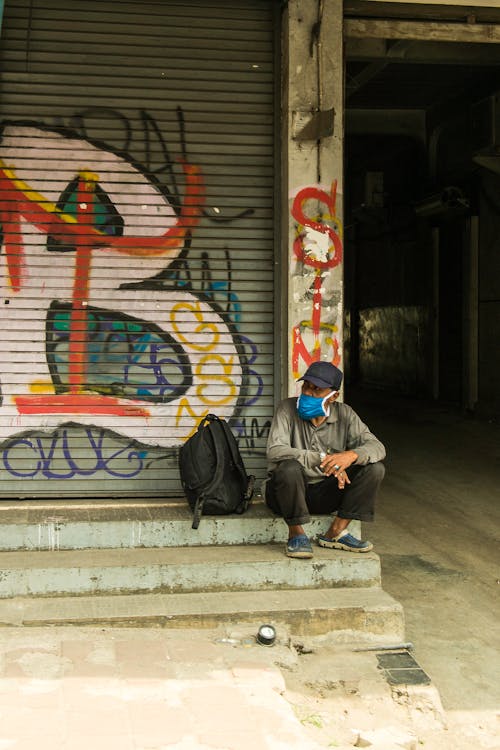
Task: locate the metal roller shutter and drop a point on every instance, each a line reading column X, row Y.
column 136, row 199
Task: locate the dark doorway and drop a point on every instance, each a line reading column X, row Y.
column 422, row 137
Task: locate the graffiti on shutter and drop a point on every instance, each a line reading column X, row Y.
column 89, row 236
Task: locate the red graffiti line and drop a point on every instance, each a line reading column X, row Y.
column 78, row 326
column 83, row 403
column 317, row 297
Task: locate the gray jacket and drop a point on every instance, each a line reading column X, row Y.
column 293, row 437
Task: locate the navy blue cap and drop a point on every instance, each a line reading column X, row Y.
column 324, row 375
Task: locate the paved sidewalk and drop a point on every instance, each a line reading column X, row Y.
column 79, row 688
column 142, row 689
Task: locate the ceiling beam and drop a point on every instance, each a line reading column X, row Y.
column 405, row 122
column 354, row 83
column 432, row 53
column 468, row 3
column 374, row 28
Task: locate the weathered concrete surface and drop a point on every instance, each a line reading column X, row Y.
column 180, row 569
column 130, row 523
column 139, row 690
column 354, row 615
column 437, row 532
column 312, row 87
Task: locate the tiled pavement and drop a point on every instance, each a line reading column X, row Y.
column 142, row 689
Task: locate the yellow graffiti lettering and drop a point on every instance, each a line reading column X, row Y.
column 213, row 379
column 184, row 406
column 201, row 330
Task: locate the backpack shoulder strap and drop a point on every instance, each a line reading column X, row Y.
column 233, row 448
column 248, row 481
column 204, row 491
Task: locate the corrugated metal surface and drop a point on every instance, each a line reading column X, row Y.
column 136, row 198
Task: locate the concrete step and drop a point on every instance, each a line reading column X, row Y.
column 180, row 569
column 136, row 523
column 353, row 615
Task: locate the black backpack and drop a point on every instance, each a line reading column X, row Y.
column 212, row 472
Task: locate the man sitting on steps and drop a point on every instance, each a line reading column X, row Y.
column 322, row 459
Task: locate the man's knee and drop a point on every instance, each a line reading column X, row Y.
column 377, row 471
column 288, row 470
column 369, row 473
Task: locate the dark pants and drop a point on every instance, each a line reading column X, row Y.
column 289, row 494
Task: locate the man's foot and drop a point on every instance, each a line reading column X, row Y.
column 346, row 541
column 299, row 546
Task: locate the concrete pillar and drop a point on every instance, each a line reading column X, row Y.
column 312, row 159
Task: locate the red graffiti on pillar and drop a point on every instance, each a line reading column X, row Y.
column 322, row 253
column 334, row 255
column 300, row 350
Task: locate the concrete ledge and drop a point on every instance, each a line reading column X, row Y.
column 180, row 569
column 112, row 524
column 347, row 614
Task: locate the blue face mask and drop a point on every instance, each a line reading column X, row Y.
column 309, row 407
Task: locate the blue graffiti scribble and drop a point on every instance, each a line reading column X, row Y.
column 48, row 451
column 253, row 375
column 153, row 375
column 127, row 357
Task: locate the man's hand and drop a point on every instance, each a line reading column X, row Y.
column 336, row 464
